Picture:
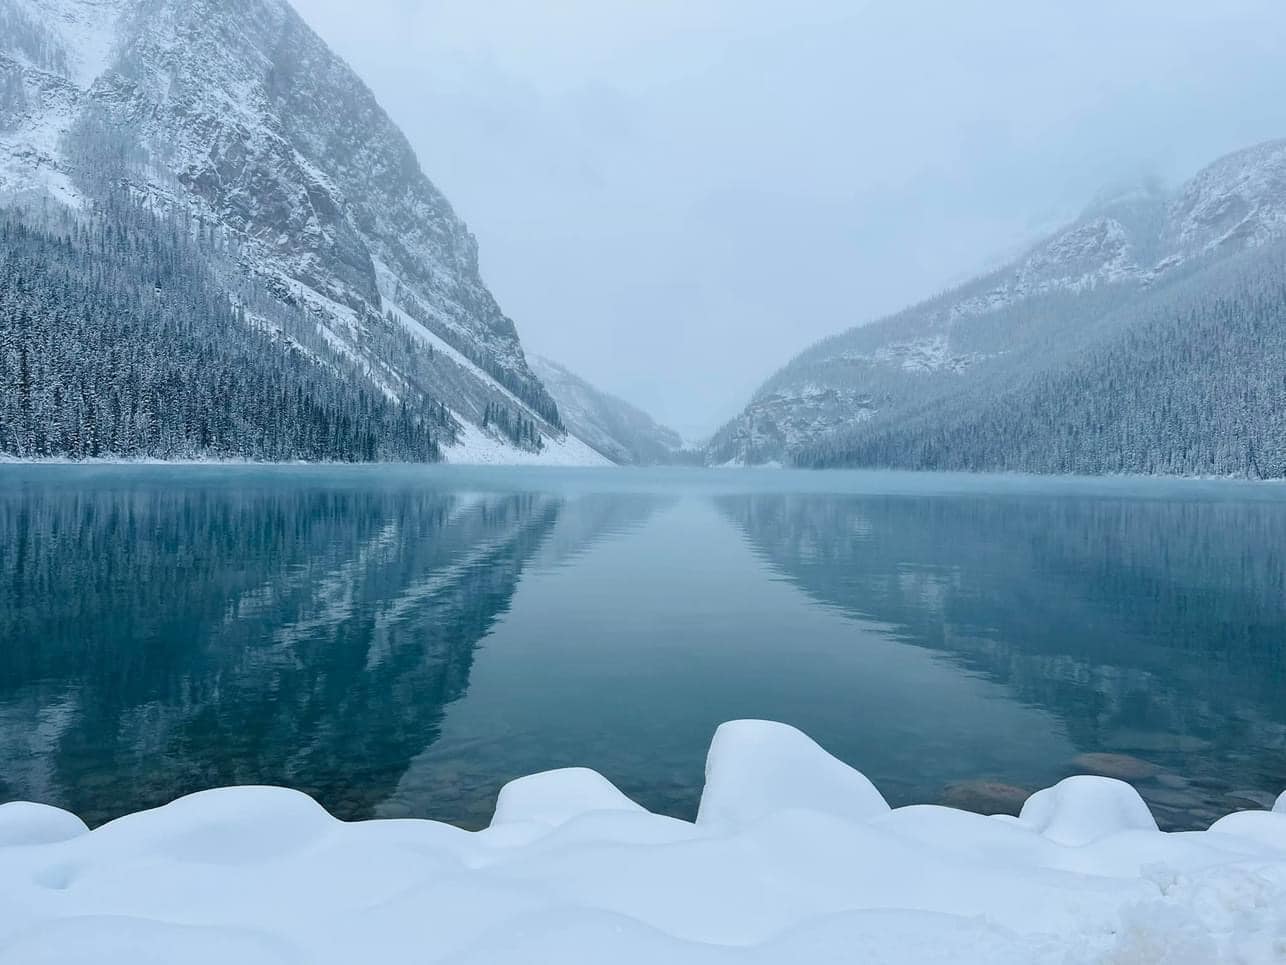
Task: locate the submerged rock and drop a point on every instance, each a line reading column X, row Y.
column 985, row 797
column 1260, row 799
column 1174, row 781
column 1178, row 800
column 1154, row 743
column 1123, row 767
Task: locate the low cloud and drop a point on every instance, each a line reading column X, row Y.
column 674, row 198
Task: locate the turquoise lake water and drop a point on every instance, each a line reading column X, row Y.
column 401, row 641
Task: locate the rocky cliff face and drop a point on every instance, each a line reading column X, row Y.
column 235, row 114
column 1124, row 260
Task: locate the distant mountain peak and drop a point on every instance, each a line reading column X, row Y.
column 622, row 432
column 1127, row 193
column 1238, row 200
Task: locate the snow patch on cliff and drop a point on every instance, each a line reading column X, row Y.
column 477, row 447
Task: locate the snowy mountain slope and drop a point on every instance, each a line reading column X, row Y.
column 620, row 431
column 899, row 379
column 235, row 116
column 476, row 447
column 1238, row 200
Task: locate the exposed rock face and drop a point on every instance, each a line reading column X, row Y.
column 1239, row 200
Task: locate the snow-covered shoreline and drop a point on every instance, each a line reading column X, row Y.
column 475, row 448
column 794, row 857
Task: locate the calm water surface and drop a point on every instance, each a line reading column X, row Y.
column 402, row 641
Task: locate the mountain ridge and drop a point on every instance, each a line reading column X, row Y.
column 619, row 430
column 984, row 337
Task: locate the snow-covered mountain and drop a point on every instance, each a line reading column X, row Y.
column 233, row 118
column 1110, row 346
column 620, row 431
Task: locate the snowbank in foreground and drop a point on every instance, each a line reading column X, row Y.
column 794, row 858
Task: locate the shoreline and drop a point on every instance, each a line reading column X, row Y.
column 793, row 857
column 767, row 470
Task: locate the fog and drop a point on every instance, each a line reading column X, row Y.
column 673, row 198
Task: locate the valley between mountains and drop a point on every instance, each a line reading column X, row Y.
column 215, row 244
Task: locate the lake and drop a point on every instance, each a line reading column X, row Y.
column 401, row 641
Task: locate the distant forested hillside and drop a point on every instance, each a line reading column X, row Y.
column 1147, row 336
column 1193, row 386
column 118, row 339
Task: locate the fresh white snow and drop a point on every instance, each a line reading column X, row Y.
column 294, row 211
column 476, row 447
column 85, row 30
column 387, row 284
column 930, row 354
column 795, row 857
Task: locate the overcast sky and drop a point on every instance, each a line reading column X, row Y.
column 673, row 197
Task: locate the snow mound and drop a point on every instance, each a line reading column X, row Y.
column 1083, row 809
column 795, row 858
column 756, row 767
column 1280, row 806
column 556, row 797
column 93, row 940
column 1267, row 828
column 22, row 823
column 244, row 826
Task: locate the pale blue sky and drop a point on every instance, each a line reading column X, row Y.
column 672, row 198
